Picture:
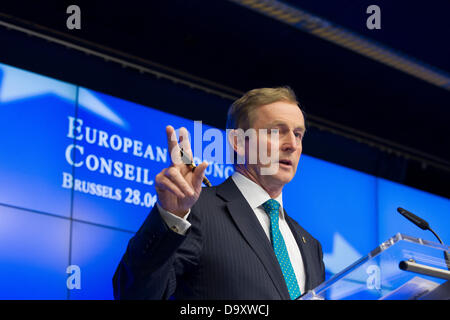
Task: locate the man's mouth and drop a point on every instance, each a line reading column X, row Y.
column 285, row 162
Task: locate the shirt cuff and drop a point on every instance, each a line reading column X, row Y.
column 175, row 223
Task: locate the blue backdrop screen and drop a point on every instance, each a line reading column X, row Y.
column 77, row 172
column 32, row 141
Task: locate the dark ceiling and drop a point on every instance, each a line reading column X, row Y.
column 228, row 44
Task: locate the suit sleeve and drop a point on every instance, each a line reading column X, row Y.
column 148, row 269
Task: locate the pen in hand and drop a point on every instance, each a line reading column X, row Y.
column 192, row 166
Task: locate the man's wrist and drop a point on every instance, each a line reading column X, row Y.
column 173, row 221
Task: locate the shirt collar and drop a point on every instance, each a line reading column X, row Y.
column 254, row 193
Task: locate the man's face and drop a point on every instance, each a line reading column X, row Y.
column 287, row 119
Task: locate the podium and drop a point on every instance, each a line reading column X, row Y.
column 401, row 268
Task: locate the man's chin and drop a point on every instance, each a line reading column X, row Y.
column 283, row 174
column 285, row 177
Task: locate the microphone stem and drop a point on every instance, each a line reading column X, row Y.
column 446, row 254
column 440, row 241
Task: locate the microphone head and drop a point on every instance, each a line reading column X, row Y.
column 422, row 224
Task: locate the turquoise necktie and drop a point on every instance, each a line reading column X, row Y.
column 272, row 208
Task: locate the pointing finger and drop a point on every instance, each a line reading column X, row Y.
column 185, row 144
column 172, row 143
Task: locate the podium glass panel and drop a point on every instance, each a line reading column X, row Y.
column 378, row 275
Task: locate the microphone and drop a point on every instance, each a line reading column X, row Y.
column 422, row 224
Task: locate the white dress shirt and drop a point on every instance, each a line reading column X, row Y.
column 255, row 196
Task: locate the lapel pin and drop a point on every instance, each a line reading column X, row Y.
column 303, row 239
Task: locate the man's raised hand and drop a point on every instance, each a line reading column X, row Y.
column 179, row 187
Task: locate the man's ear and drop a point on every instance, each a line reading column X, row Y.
column 236, row 139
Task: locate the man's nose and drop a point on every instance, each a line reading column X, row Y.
column 289, row 142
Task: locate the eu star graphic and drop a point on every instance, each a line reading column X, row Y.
column 19, row 84
column 342, row 255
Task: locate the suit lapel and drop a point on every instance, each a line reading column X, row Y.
column 249, row 226
column 305, row 251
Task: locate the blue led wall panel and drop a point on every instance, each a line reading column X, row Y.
column 33, row 140
column 336, row 205
column 34, row 255
column 434, row 209
column 97, row 251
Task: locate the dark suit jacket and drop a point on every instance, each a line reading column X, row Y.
column 224, row 255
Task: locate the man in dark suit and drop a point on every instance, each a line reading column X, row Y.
column 235, row 240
